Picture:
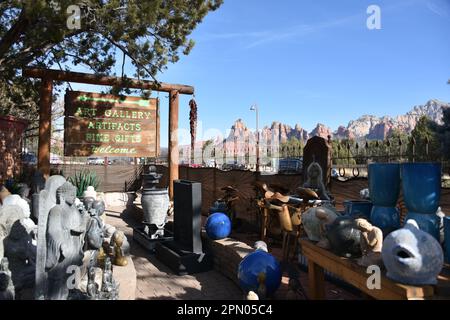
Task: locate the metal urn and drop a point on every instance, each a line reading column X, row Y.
column 155, row 203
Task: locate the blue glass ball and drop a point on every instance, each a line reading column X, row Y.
column 255, row 263
column 218, row 226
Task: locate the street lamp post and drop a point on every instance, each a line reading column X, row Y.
column 255, row 108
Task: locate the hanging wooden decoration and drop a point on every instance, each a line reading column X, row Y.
column 193, row 125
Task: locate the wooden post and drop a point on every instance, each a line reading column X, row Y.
column 173, row 140
column 45, row 126
column 316, row 281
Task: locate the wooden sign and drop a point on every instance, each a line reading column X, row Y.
column 110, row 126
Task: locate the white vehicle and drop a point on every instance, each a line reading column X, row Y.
column 95, row 161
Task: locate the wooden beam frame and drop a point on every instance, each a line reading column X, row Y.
column 80, row 77
column 45, row 104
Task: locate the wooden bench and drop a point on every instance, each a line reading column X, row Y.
column 347, row 270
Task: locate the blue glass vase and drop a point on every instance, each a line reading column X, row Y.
column 421, row 184
column 447, row 238
column 384, row 189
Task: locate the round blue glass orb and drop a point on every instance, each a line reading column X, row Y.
column 255, row 264
column 218, row 226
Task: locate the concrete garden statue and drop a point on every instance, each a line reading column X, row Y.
column 313, row 225
column 412, row 256
column 371, row 243
column 65, row 231
column 326, row 221
column 315, row 181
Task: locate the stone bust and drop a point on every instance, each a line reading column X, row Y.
column 371, row 243
column 315, row 181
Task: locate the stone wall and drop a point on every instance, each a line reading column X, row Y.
column 11, row 130
column 227, row 254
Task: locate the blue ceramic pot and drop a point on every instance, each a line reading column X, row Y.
column 447, row 238
column 421, row 186
column 385, row 218
column 384, row 183
column 358, row 208
column 427, row 222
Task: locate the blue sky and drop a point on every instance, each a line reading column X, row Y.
column 310, row 61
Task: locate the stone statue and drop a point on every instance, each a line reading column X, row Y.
column 7, row 291
column 21, row 254
column 92, row 286
column 90, row 193
column 65, row 230
column 95, row 227
column 315, row 181
column 110, row 289
column 325, row 220
column 371, row 243
column 313, row 225
column 117, row 241
column 16, row 243
column 42, row 204
column 412, row 256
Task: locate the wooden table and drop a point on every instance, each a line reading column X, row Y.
column 346, row 269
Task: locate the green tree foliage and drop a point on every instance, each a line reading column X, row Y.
column 151, row 34
column 444, row 134
column 292, row 148
column 344, row 152
column 425, row 132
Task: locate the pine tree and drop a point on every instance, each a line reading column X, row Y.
column 151, row 34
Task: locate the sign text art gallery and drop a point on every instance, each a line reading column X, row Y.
column 107, row 125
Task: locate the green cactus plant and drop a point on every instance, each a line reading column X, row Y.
column 83, row 179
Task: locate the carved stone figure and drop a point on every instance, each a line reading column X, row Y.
column 90, row 192
column 7, row 291
column 117, row 241
column 16, row 243
column 21, row 254
column 16, row 200
column 371, row 243
column 110, row 289
column 92, row 286
column 95, row 227
column 412, row 256
column 326, row 220
column 313, row 226
column 315, row 181
column 42, row 204
column 65, row 230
